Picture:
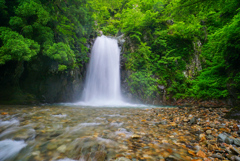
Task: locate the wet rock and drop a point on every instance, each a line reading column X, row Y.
column 210, row 147
column 212, row 125
column 62, row 148
column 170, row 159
column 231, row 157
column 135, row 136
column 237, row 142
column 237, row 158
column 201, row 154
column 209, row 132
column 202, row 137
column 122, row 159
column 51, row 146
column 25, row 134
column 36, row 153
column 221, row 138
column 217, row 156
column 193, row 120
column 100, row 155
column 185, row 120
column 163, row 122
column 235, row 150
column 111, row 154
column 210, row 137
column 229, row 140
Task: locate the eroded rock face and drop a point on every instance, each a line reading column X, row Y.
column 49, row 85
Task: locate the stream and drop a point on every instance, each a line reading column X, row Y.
column 64, row 133
column 146, row 133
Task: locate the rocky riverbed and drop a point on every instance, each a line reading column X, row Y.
column 61, row 133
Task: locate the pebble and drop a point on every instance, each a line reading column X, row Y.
column 209, row 132
column 193, row 120
column 62, row 149
column 122, row 159
column 229, row 140
column 237, row 158
column 100, row 155
column 235, row 150
column 36, row 153
column 231, row 157
column 221, row 138
column 237, row 142
column 136, row 136
column 51, row 146
column 217, row 156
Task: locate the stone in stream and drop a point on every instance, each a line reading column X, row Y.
column 52, row 146
column 62, row 148
column 228, row 140
column 135, row 136
column 210, row 137
column 237, row 142
column 209, row 132
column 170, row 159
column 100, row 155
column 25, row 134
column 217, row 156
column 235, row 150
column 163, row 122
column 111, row 154
column 210, row 147
column 122, row 159
column 36, row 153
column 221, row 138
column 193, row 120
column 231, row 157
column 237, row 158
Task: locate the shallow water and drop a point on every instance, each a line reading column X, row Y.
column 65, row 132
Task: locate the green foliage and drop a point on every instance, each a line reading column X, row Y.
column 62, row 67
column 143, row 84
column 140, row 59
column 62, row 53
column 33, row 12
column 57, row 29
column 210, row 84
column 16, row 47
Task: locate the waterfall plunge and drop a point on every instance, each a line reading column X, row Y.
column 102, row 86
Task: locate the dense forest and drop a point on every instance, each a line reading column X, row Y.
column 177, row 48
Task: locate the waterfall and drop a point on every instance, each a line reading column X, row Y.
column 102, row 85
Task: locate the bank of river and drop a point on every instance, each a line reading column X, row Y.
column 76, row 133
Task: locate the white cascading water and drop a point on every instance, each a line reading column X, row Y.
column 102, row 86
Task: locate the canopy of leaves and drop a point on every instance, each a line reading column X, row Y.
column 57, row 29
column 16, row 47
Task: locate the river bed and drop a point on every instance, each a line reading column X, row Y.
column 70, row 133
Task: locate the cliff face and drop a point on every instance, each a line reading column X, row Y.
column 49, row 85
column 39, row 81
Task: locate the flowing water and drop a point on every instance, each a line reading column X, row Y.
column 102, row 85
column 65, row 133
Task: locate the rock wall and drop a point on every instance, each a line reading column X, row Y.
column 39, row 82
column 48, row 85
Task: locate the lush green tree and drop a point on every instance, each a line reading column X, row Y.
column 16, row 47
